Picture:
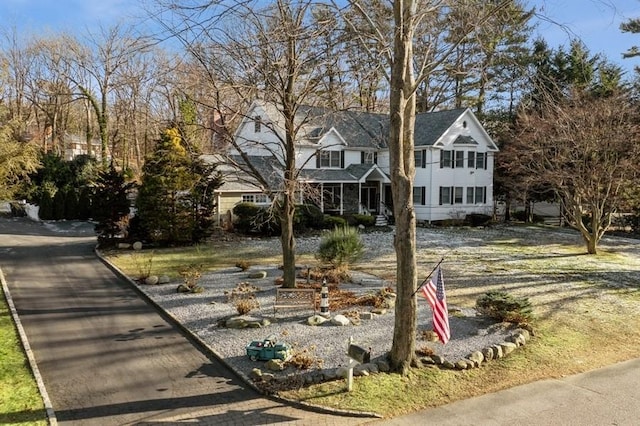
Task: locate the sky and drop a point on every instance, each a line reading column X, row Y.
column 595, row 22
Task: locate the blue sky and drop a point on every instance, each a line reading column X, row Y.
column 596, row 22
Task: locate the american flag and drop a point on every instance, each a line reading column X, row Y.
column 438, row 301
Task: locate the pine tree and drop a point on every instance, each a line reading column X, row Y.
column 175, row 201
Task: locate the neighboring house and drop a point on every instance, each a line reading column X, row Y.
column 343, row 159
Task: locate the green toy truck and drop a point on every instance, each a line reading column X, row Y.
column 268, row 349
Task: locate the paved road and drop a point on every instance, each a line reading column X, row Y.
column 607, row 396
column 108, row 358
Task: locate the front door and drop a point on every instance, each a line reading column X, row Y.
column 370, row 198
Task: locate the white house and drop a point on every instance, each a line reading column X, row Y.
column 344, row 156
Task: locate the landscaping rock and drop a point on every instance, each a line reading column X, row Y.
column 258, row 275
column 366, row 315
column 152, row 280
column 340, row 320
column 379, row 311
column 476, row 357
column 383, row 366
column 497, row 351
column 487, row 353
column 124, row 246
column 508, row 347
column 316, row 320
column 137, row 245
column 255, row 375
column 164, row 279
column 274, row 365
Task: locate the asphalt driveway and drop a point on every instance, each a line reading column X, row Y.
column 107, row 357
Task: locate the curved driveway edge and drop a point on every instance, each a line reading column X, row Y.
column 51, row 415
column 204, row 346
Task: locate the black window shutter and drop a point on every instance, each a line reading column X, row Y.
column 342, row 159
column 424, row 158
column 424, row 194
column 375, row 158
column 362, row 157
column 440, row 196
column 451, row 196
column 317, row 159
column 486, row 155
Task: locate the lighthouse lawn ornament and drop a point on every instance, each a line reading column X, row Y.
column 324, row 299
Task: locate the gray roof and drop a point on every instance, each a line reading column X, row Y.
column 431, row 125
column 353, row 173
column 365, row 129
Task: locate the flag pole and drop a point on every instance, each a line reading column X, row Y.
column 428, row 276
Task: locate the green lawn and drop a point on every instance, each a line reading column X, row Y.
column 20, row 400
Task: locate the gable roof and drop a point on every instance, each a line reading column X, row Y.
column 367, row 130
column 430, row 126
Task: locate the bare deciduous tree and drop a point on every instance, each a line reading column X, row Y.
column 585, row 149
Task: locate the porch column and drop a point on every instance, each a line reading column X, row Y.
column 360, row 198
column 341, row 198
column 322, row 197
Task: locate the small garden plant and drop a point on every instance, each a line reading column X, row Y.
column 243, row 298
column 505, row 307
column 191, row 275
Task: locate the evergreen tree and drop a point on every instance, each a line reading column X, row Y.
column 110, row 204
column 45, row 203
column 175, row 200
column 70, row 203
column 58, row 205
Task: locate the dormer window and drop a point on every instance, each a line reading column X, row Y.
column 257, row 124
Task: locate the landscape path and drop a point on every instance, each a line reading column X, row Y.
column 108, row 358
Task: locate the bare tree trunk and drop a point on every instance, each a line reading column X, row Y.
column 401, row 145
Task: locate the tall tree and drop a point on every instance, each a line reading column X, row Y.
column 404, row 81
column 249, row 50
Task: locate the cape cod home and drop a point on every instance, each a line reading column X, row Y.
column 343, row 158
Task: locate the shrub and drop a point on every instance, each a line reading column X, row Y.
column 243, row 265
column 521, row 216
column 309, row 216
column 191, row 275
column 243, row 298
column 364, row 220
column 505, row 307
column 477, row 219
column 304, row 359
column 341, row 247
column 331, row 222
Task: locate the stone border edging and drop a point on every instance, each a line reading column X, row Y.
column 204, row 346
column 51, row 415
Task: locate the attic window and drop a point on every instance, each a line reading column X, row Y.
column 257, row 124
column 464, row 124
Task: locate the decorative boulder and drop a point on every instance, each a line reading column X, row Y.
column 316, row 320
column 137, row 245
column 151, row 280
column 258, row 275
column 340, row 320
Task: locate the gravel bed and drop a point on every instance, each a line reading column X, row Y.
column 201, row 314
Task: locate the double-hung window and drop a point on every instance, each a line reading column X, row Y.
column 419, row 195
column 445, row 159
column 459, row 159
column 330, row 159
column 476, row 195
